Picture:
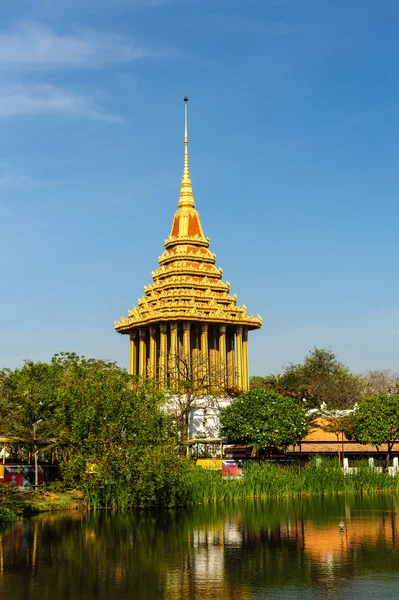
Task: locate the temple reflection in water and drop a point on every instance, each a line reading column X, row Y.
column 237, row 551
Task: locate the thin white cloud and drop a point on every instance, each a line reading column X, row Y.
column 31, row 45
column 12, row 177
column 14, row 180
column 19, row 99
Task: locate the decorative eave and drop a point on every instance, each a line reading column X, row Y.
column 184, row 282
column 126, row 324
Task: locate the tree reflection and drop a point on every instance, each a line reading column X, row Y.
column 235, row 551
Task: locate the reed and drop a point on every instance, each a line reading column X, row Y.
column 266, row 480
column 187, row 486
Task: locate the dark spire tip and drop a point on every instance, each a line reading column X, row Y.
column 185, row 98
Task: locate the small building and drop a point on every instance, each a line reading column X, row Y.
column 324, row 442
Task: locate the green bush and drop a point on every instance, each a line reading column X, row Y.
column 12, row 503
column 7, row 515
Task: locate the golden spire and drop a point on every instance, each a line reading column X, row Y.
column 186, row 198
column 188, row 285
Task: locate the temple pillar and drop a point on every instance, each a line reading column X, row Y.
column 230, row 359
column 212, row 356
column 204, row 351
column 245, row 370
column 187, row 347
column 222, row 367
column 239, row 358
column 133, row 353
column 163, row 355
column 153, row 352
column 196, row 364
column 173, row 352
column 142, row 353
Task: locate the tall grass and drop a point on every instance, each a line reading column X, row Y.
column 185, row 485
column 266, row 480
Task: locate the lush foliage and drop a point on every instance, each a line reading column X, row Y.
column 28, row 401
column 375, row 421
column 11, row 503
column 321, row 378
column 264, row 419
column 122, row 430
column 96, row 415
column 115, row 440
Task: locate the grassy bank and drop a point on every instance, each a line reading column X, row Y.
column 15, row 504
column 188, row 486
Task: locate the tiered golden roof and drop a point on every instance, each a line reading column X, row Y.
column 187, row 285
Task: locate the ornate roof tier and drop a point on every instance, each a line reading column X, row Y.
column 187, row 285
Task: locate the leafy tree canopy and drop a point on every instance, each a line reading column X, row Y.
column 93, row 412
column 320, row 378
column 264, row 419
column 28, row 400
column 375, row 421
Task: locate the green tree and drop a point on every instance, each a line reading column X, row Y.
column 375, row 421
column 95, row 413
column 105, row 417
column 264, row 419
column 261, row 383
column 27, row 406
column 322, row 378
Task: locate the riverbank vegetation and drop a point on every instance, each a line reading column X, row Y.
column 267, row 480
column 193, row 485
column 15, row 504
column 263, row 480
column 116, row 443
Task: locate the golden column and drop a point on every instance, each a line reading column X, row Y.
column 239, row 357
column 212, row 356
column 204, row 351
column 196, row 363
column 163, row 355
column 173, row 351
column 222, row 356
column 153, row 351
column 230, row 359
column 245, row 370
column 187, row 346
column 142, row 353
column 133, row 353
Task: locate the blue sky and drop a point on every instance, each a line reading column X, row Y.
column 293, row 154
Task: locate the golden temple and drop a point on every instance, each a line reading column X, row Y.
column 187, row 316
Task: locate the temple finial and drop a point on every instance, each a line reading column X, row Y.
column 186, row 192
column 186, row 172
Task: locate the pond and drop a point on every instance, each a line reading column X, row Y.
column 238, row 551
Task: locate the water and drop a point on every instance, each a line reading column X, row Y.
column 238, row 551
